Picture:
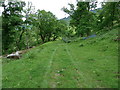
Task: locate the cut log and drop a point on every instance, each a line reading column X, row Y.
column 14, row 56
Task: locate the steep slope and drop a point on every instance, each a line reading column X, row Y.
column 90, row 63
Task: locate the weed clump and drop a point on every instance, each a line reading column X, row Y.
column 81, row 45
column 30, row 56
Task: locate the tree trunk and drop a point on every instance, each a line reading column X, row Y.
column 54, row 38
column 43, row 38
column 81, row 34
column 88, row 32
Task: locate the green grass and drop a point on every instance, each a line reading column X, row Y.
column 66, row 65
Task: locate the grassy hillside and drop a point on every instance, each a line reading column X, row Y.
column 90, row 63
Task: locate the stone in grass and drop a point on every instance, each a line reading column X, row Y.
column 81, row 45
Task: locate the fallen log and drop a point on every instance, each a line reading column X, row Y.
column 14, row 56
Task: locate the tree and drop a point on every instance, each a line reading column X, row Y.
column 11, row 18
column 61, row 29
column 27, row 26
column 46, row 24
column 109, row 15
column 81, row 17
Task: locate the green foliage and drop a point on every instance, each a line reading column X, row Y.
column 47, row 24
column 24, row 31
column 81, row 17
column 11, row 18
column 109, row 14
column 87, row 22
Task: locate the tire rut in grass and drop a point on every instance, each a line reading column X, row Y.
column 61, row 74
column 79, row 75
column 83, row 75
column 44, row 84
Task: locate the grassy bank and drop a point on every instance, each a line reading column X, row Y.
column 90, row 63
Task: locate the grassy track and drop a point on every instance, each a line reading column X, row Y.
column 61, row 65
